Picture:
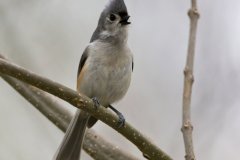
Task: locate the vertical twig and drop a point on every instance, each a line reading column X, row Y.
column 187, row 127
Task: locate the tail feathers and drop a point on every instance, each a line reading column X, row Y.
column 71, row 145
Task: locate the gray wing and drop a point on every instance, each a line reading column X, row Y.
column 82, row 60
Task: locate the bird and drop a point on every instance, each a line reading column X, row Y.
column 104, row 74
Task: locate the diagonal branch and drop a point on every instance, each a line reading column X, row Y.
column 187, row 126
column 94, row 145
column 80, row 101
column 97, row 147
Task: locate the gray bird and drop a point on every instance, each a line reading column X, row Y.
column 104, row 74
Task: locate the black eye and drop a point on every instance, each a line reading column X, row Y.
column 112, row 17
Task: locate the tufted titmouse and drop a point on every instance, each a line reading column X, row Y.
column 104, row 74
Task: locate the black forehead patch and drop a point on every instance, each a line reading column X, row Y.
column 123, row 14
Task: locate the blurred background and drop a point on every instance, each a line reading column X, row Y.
column 49, row 36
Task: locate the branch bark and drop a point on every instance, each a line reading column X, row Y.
column 187, row 126
column 97, row 147
column 80, row 101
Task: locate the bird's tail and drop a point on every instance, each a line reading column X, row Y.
column 71, row 145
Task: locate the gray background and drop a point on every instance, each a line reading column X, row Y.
column 49, row 36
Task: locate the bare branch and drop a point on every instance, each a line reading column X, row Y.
column 80, row 101
column 187, row 126
column 94, row 145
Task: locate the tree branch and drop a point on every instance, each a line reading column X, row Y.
column 94, row 145
column 80, row 101
column 187, row 126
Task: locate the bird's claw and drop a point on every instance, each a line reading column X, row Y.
column 96, row 102
column 121, row 120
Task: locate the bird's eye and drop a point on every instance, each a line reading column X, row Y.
column 112, row 17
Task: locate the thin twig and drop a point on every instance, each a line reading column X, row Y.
column 78, row 100
column 187, row 126
column 97, row 147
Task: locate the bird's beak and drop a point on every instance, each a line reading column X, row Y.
column 125, row 21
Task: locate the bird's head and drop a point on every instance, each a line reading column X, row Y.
column 113, row 22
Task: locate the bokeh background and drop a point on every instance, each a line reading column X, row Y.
column 49, row 36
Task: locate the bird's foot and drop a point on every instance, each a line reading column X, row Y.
column 96, row 102
column 121, row 119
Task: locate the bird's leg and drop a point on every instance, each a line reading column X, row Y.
column 96, row 102
column 121, row 120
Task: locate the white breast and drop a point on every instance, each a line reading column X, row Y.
column 107, row 73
